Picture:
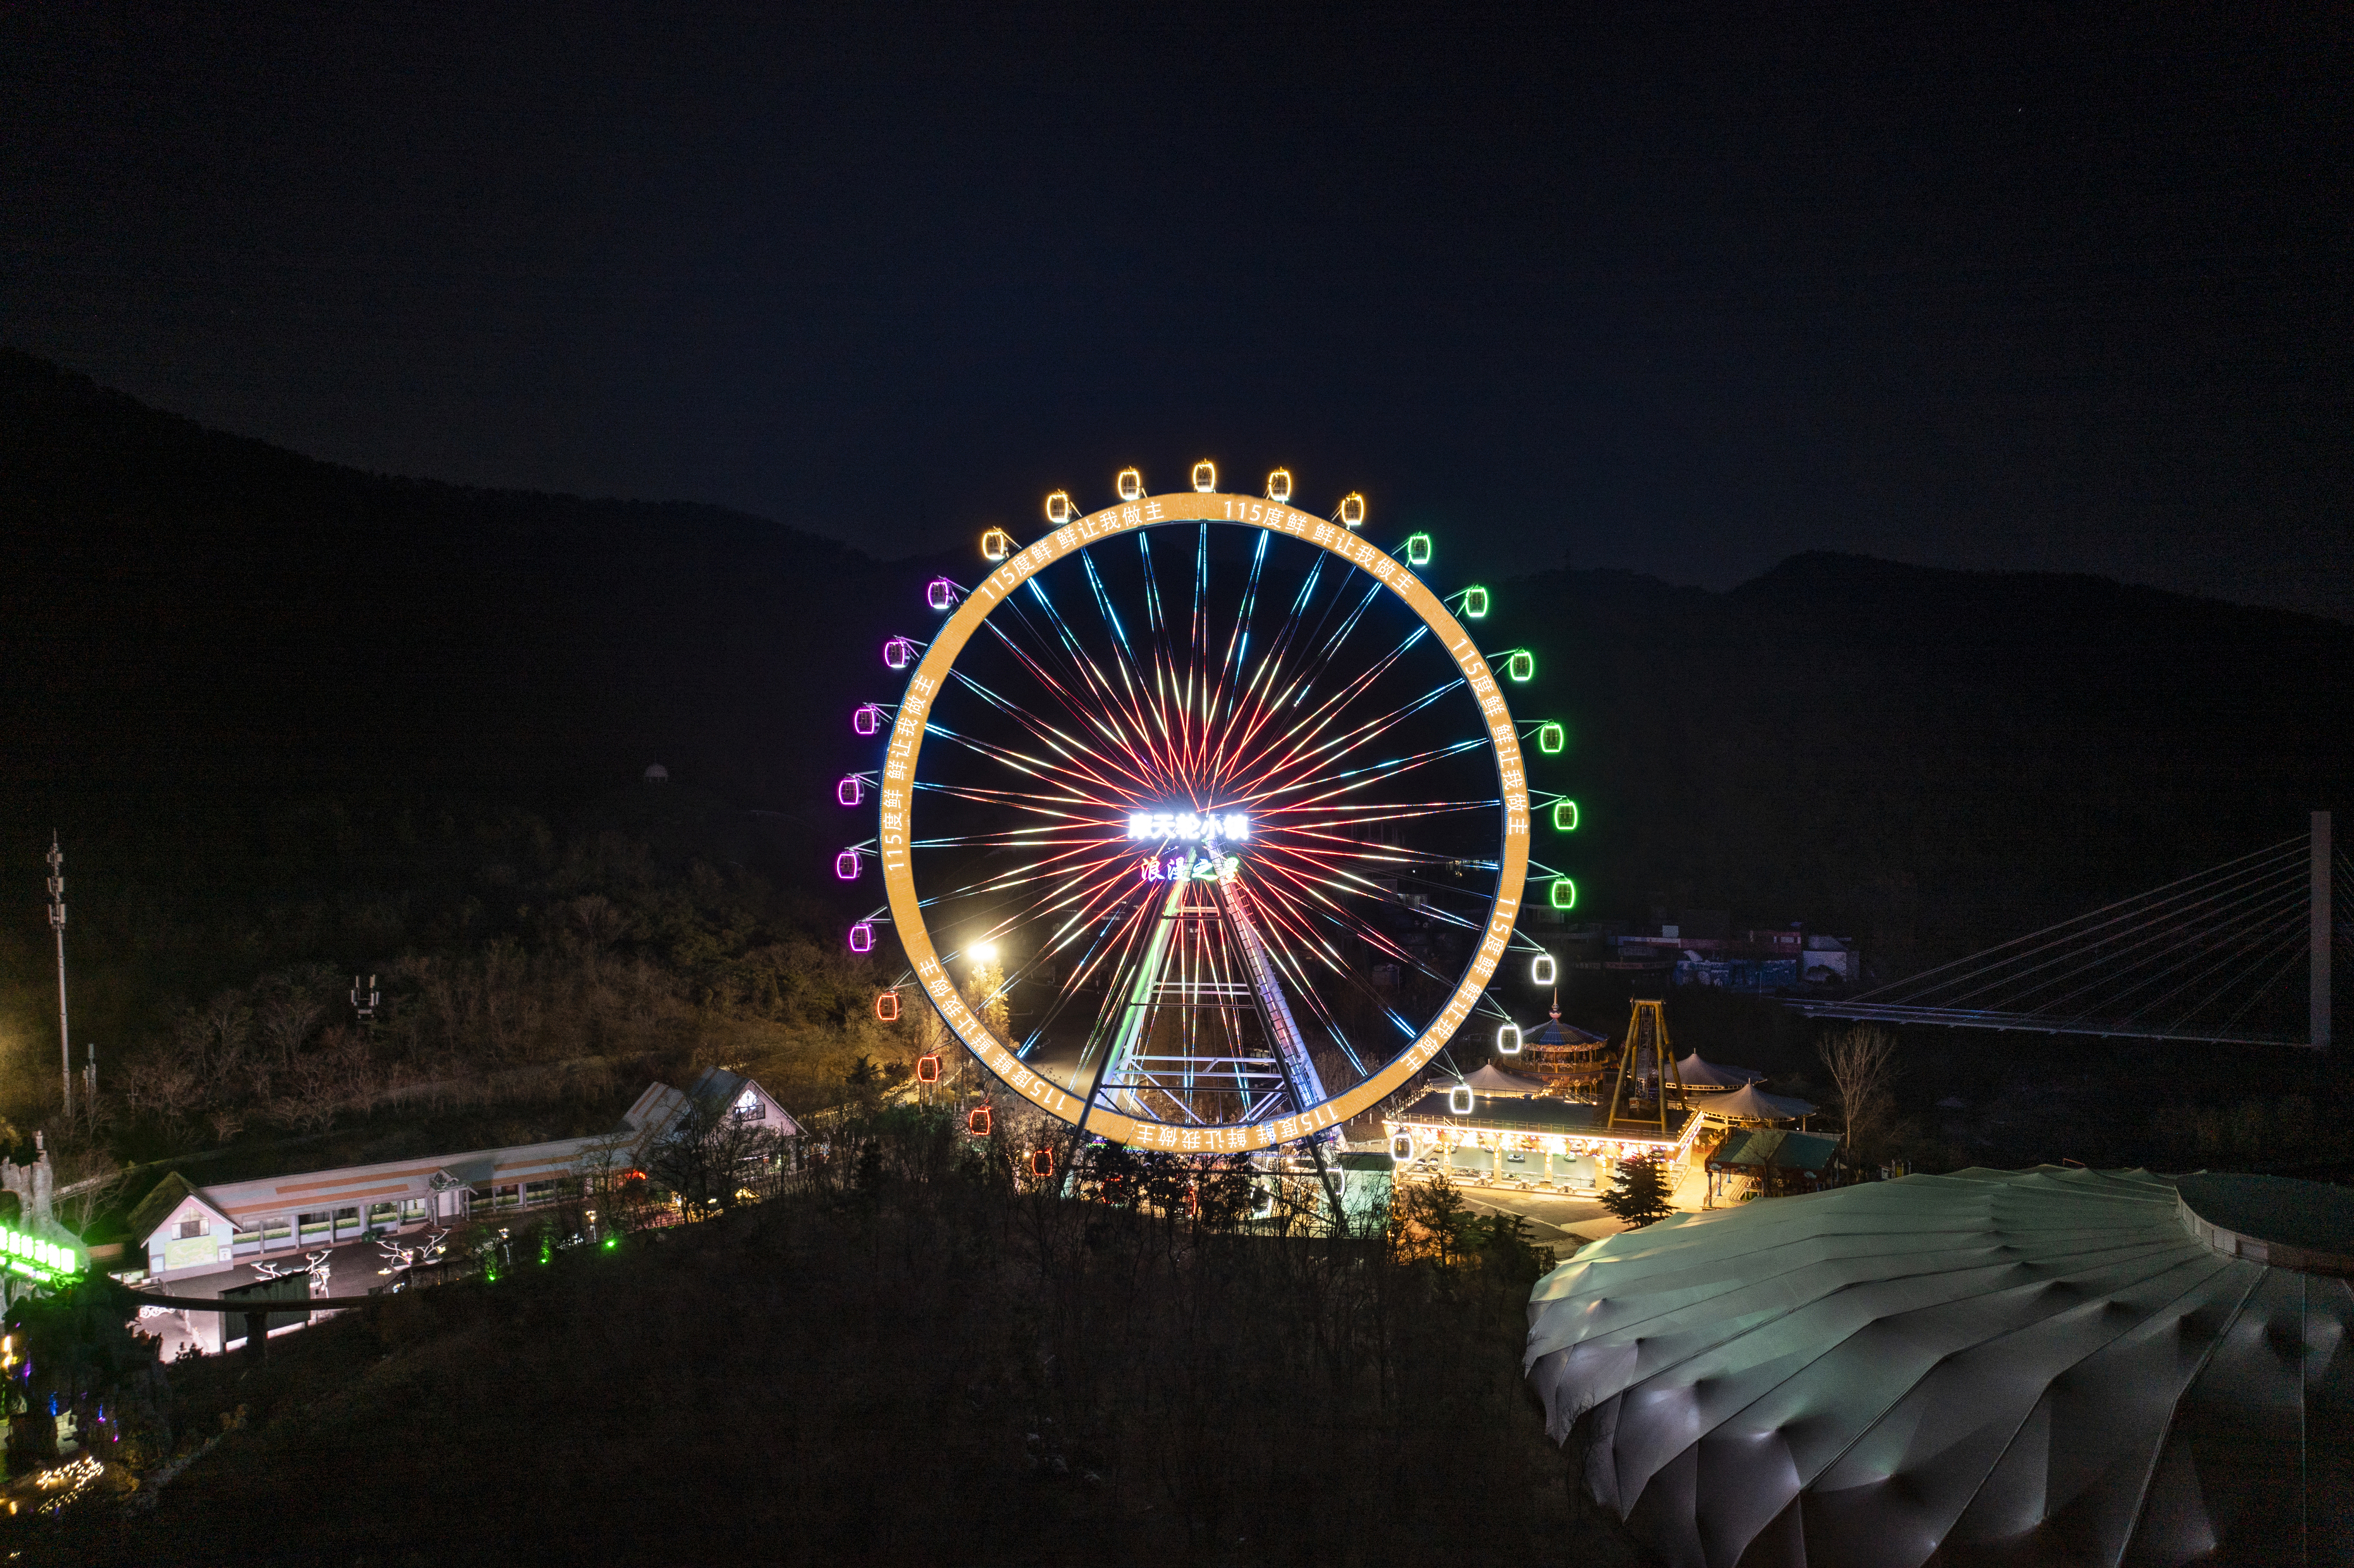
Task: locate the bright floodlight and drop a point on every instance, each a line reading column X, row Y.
column 1059, row 508
column 1131, row 484
column 984, row 952
column 1205, row 476
column 1353, row 511
column 1278, row 485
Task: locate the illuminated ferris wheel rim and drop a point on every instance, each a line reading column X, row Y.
column 897, row 777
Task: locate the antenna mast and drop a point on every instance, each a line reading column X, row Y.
column 58, row 923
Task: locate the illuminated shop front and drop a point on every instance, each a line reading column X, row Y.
column 1564, row 1143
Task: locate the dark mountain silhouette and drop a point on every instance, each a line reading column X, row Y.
column 1927, row 759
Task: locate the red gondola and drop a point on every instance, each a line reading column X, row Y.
column 886, row 1006
column 976, row 1121
column 928, row 1068
column 1041, row 1163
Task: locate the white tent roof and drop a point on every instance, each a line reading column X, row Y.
column 1700, row 1074
column 1493, row 1080
column 1747, row 1104
column 1998, row 1366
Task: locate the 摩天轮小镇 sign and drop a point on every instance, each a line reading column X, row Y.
column 1192, row 827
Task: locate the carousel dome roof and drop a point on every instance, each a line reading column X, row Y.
column 2034, row 1366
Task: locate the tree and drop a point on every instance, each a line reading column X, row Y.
column 1861, row 1060
column 1429, row 1219
column 1639, row 1193
column 707, row 1155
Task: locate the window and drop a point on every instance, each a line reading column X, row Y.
column 192, row 1227
column 383, row 1215
column 276, row 1230
column 749, row 1106
column 507, row 1196
column 247, row 1237
column 553, row 1191
column 317, row 1226
column 413, row 1209
column 348, row 1219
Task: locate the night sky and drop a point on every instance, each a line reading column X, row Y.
column 1675, row 288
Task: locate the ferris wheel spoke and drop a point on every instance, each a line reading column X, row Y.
column 1303, row 684
column 1027, row 800
column 1230, row 666
column 1305, row 750
column 1062, row 773
column 1055, row 738
column 1135, row 684
column 1295, row 740
column 1287, row 963
column 1303, row 923
column 1105, row 716
column 1010, row 878
column 1358, row 778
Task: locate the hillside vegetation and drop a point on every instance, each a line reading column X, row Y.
column 918, row 1357
column 295, row 722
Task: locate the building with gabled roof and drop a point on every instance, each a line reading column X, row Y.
column 184, row 1231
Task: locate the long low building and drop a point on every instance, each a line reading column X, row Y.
column 1547, row 1138
column 186, row 1231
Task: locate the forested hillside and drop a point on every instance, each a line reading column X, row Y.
column 430, row 771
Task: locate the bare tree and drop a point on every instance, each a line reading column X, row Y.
column 1861, row 1060
column 163, row 1084
column 315, row 1088
column 287, row 1020
column 710, row 1155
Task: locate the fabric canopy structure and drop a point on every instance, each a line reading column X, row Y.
column 1747, row 1104
column 1699, row 1075
column 1492, row 1080
column 2028, row 1367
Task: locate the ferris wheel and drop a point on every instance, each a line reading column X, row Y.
column 1204, row 821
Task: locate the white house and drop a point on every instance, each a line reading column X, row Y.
column 185, row 1231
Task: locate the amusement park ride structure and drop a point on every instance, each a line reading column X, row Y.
column 1235, row 794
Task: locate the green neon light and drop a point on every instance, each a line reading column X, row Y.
column 1475, row 604
column 1565, row 893
column 1564, row 816
column 1417, row 549
column 1550, row 738
column 35, row 1259
column 1520, row 664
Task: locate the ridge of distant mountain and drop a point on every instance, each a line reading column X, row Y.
column 1926, row 755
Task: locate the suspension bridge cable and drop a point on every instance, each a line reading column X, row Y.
column 2233, row 870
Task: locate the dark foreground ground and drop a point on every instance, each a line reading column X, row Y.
column 918, row 1364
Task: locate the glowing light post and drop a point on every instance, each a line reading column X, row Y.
column 1183, row 823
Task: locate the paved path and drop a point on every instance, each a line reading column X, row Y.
column 1560, row 1223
